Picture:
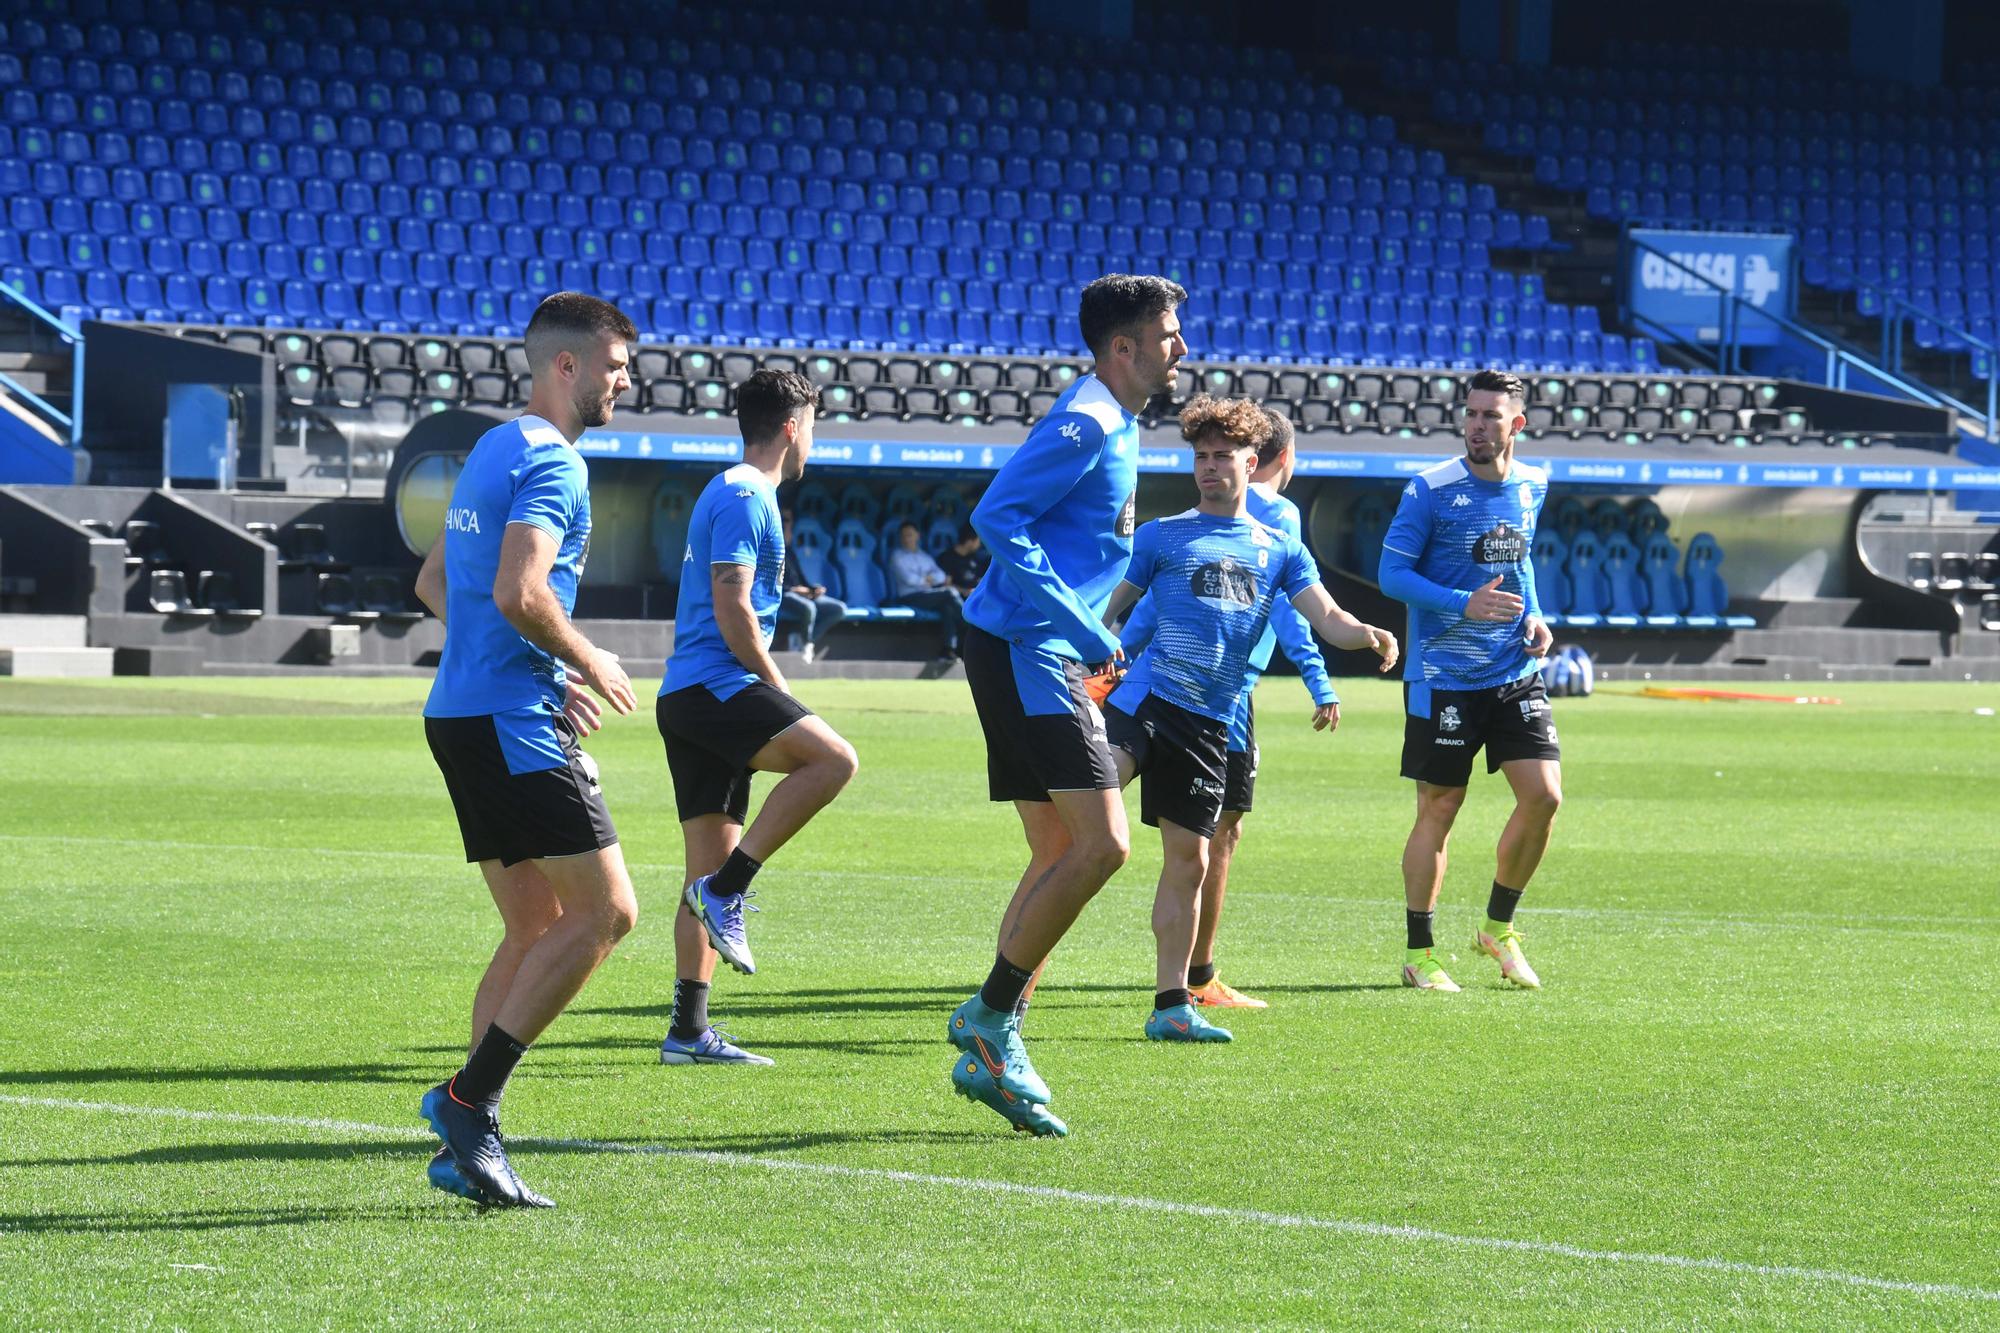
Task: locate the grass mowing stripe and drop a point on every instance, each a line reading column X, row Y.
column 1873, row 923
column 1256, row 1216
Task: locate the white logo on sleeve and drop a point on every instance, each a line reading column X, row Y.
column 1071, row 432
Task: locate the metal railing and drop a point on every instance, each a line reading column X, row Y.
column 1840, row 360
column 70, row 422
column 1898, row 312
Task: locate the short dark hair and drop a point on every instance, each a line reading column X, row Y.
column 911, row 524
column 1238, row 420
column 770, row 398
column 967, row 533
column 1118, row 301
column 572, row 322
column 1279, row 440
column 1501, row 382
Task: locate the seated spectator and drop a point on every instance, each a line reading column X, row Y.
column 965, row 563
column 806, row 613
column 915, row 580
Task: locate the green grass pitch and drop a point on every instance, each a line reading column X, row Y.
column 1758, row 1090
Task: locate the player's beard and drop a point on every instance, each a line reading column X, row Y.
column 596, row 412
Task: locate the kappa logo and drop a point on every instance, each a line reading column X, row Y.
column 1448, row 719
column 1461, row 501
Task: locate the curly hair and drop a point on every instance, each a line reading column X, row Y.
column 1241, row 421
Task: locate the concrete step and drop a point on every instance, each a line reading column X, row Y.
column 1807, row 612
column 65, row 662
column 27, row 631
column 1829, row 645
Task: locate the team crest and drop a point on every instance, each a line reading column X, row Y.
column 1448, row 719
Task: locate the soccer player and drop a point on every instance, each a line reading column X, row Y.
column 1217, row 577
column 1457, row 553
column 1058, row 519
column 503, row 718
column 1275, row 463
column 725, row 710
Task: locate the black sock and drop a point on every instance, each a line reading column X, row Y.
column 1200, row 974
column 1419, row 924
column 690, row 1009
column 736, row 873
column 485, row 1075
column 1005, row 985
column 1500, row 904
column 1168, row 999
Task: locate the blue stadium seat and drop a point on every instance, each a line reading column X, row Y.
column 1708, row 595
column 1666, row 593
column 1625, row 600
column 1588, row 592
column 1548, row 557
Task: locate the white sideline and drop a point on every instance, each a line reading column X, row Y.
column 1256, row 1216
column 1871, row 923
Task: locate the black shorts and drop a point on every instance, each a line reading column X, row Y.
column 1180, row 757
column 1239, row 779
column 1512, row 721
column 711, row 741
column 1043, row 733
column 513, row 817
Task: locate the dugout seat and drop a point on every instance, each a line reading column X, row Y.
column 811, row 550
column 862, row 585
column 1666, row 594
column 1588, row 592
column 1569, row 517
column 858, row 502
column 1548, row 557
column 1708, row 595
column 816, row 502
column 1625, row 592
column 1367, row 524
column 672, row 507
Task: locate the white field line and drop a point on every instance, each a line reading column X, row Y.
column 1052, row 1193
column 1873, row 923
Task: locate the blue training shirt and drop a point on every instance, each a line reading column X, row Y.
column 522, row 472
column 1058, row 518
column 1452, row 533
column 1288, row 626
column 735, row 522
column 1215, row 582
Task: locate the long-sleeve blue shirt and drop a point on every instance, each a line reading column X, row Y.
column 1058, row 518
column 1452, row 534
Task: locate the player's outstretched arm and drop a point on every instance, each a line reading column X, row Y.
column 729, row 586
column 521, row 593
column 1123, row 598
column 430, row 580
column 1333, row 623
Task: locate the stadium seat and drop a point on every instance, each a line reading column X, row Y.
column 1708, row 595
column 1588, row 591
column 855, row 558
column 1548, row 557
column 673, row 506
column 1625, row 599
column 1666, row 593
